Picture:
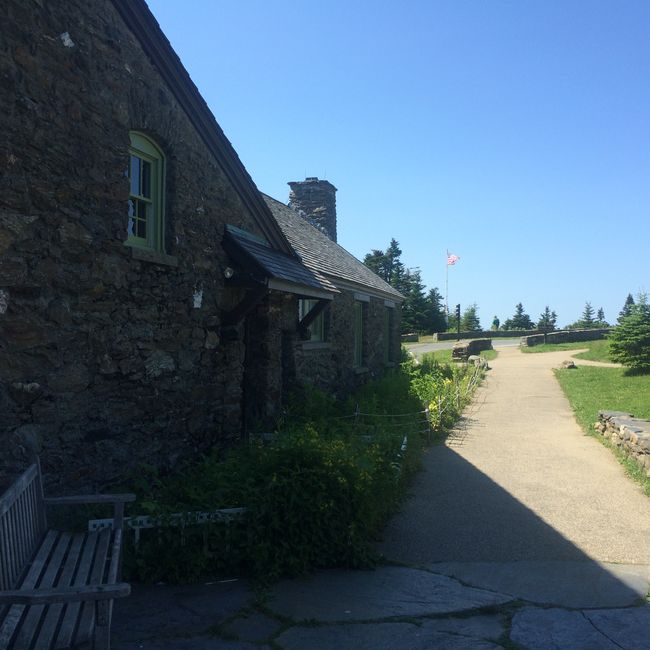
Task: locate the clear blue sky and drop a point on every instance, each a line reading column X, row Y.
column 515, row 134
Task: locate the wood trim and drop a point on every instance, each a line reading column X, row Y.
column 144, row 27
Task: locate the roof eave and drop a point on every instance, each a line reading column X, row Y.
column 142, row 23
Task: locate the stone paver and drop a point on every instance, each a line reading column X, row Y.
column 385, row 592
column 569, row 584
column 380, row 636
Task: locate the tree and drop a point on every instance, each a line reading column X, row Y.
column 600, row 318
column 547, row 320
column 520, row 321
column 387, row 265
column 470, row 321
column 629, row 342
column 415, row 306
column 436, row 320
column 587, row 320
column 627, row 307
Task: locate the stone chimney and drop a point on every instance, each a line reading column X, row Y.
column 315, row 201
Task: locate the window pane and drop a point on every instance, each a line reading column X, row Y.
column 142, row 228
column 146, row 179
column 130, row 228
column 135, row 176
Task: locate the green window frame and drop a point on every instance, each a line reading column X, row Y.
column 358, row 334
column 317, row 327
column 388, row 334
column 146, row 210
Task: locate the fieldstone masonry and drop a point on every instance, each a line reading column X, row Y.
column 630, row 434
column 109, row 356
column 315, row 200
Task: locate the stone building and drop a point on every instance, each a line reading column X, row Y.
column 149, row 295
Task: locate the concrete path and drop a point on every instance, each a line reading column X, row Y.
column 521, row 532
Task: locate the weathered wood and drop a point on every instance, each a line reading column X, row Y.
column 56, row 589
column 64, row 595
column 89, row 498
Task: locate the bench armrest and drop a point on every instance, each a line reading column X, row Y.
column 64, row 594
column 89, row 498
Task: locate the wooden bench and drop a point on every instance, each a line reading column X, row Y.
column 56, row 588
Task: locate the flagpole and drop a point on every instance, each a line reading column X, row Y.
column 447, row 286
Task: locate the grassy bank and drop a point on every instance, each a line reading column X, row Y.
column 592, row 389
column 595, row 350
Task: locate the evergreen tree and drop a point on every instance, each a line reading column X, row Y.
column 547, row 320
column 470, row 320
column 520, row 321
column 436, row 320
column 587, row 320
column 627, row 307
column 629, row 342
column 600, row 318
column 414, row 308
column 387, row 265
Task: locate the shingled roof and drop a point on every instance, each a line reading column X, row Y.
column 319, row 253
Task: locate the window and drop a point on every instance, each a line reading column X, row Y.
column 388, row 334
column 358, row 334
column 146, row 209
column 317, row 327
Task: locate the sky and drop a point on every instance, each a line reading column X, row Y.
column 513, row 134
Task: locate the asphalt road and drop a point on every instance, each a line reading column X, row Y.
column 420, row 348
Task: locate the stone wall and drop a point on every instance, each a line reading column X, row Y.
column 630, row 434
column 464, row 349
column 329, row 365
column 451, row 336
column 107, row 357
column 565, row 336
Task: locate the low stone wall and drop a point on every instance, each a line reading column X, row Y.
column 630, row 434
column 565, row 336
column 450, row 336
column 410, row 338
column 465, row 349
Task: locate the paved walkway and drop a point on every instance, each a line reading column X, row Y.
column 520, row 532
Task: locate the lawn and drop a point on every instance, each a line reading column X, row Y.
column 596, row 350
column 591, row 389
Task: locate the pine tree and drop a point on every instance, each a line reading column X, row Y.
column 520, row 321
column 627, row 307
column 587, row 319
column 629, row 342
column 436, row 320
column 547, row 320
column 470, row 321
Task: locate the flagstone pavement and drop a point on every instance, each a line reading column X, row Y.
column 520, row 532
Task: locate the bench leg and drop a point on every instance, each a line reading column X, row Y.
column 104, row 612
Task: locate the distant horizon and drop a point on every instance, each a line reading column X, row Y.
column 516, row 136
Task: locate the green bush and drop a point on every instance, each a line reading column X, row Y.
column 629, row 342
column 315, row 495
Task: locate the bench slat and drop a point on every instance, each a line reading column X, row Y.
column 35, row 612
column 54, row 611
column 13, row 616
column 97, row 576
column 83, row 577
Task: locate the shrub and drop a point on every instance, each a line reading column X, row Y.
column 630, row 340
column 315, row 495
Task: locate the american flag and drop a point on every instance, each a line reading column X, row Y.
column 452, row 259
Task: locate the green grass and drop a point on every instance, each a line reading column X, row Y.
column 596, row 350
column 591, row 389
